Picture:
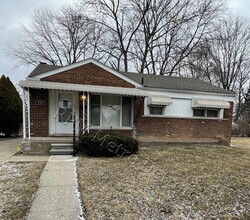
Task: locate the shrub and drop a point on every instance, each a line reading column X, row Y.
column 10, row 107
column 107, row 145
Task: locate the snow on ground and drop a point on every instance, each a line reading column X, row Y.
column 18, row 182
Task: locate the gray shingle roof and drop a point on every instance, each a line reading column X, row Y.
column 174, row 83
column 42, row 68
column 154, row 81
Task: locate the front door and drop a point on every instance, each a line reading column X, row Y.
column 65, row 109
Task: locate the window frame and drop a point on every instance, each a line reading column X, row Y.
column 101, row 117
column 205, row 113
column 217, row 110
column 157, row 106
column 202, row 109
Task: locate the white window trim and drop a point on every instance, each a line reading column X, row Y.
column 114, row 128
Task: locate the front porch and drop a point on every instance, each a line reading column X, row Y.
column 49, row 115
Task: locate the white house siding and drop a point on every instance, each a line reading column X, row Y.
column 182, row 102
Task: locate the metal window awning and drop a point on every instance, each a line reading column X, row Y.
column 159, row 100
column 210, row 103
column 37, row 84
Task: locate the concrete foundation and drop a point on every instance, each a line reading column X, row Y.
column 42, row 145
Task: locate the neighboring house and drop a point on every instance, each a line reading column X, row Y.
column 149, row 107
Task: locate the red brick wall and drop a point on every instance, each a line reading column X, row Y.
column 153, row 126
column 39, row 114
column 115, row 132
column 89, row 74
column 184, row 128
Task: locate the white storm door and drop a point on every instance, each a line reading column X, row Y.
column 65, row 108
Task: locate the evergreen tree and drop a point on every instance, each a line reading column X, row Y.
column 10, row 107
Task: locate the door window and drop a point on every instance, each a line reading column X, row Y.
column 65, row 108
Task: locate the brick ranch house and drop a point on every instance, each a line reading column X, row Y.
column 146, row 106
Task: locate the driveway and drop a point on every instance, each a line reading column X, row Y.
column 8, row 148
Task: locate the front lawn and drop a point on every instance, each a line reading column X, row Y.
column 174, row 182
column 18, row 183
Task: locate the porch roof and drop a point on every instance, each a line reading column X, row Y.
column 37, row 84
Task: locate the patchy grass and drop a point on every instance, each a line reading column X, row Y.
column 174, row 182
column 242, row 142
column 18, row 182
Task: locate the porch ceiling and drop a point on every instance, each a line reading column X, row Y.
column 37, row 84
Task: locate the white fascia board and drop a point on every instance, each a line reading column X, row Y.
column 32, row 79
column 84, row 62
column 149, row 89
column 81, row 87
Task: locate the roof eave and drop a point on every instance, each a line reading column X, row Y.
column 37, row 84
column 189, row 91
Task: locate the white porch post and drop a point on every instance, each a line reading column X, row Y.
column 28, row 113
column 88, row 122
column 24, row 115
column 83, row 112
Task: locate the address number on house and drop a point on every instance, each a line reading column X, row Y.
column 40, row 102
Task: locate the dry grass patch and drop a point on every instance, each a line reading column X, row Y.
column 174, row 182
column 18, row 182
column 242, row 142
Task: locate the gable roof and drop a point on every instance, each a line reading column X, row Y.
column 42, row 68
column 175, row 83
column 37, row 74
column 138, row 79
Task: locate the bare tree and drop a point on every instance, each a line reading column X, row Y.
column 223, row 57
column 170, row 31
column 120, row 22
column 57, row 38
column 152, row 36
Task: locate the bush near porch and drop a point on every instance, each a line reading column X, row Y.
column 174, row 182
column 107, row 145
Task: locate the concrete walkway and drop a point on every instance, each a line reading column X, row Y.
column 8, row 148
column 57, row 196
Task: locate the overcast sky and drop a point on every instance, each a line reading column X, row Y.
column 13, row 13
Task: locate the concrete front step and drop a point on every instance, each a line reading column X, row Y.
column 61, row 149
column 61, row 145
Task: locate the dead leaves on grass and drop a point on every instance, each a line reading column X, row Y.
column 198, row 183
